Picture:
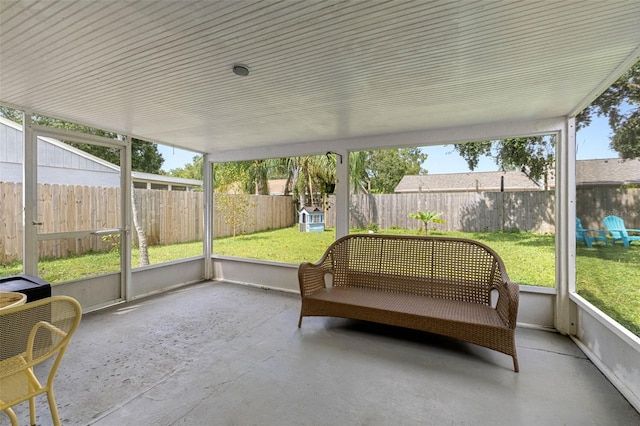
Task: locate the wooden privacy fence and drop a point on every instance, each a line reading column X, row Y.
column 594, row 204
column 489, row 211
column 171, row 217
column 262, row 212
column 168, row 217
column 461, row 211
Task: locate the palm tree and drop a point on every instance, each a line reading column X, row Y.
column 358, row 177
column 426, row 217
column 299, row 178
column 258, row 173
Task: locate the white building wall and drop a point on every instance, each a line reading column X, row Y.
column 56, row 165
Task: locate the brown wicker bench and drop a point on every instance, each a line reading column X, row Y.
column 445, row 286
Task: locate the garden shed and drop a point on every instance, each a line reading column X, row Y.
column 253, row 80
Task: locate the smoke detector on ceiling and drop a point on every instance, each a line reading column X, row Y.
column 241, row 70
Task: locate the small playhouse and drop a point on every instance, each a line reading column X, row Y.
column 311, row 219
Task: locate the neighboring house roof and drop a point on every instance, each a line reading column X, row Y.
column 163, row 179
column 61, row 163
column 598, row 172
column 607, row 172
column 276, row 186
column 467, row 182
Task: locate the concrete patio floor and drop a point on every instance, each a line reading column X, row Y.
column 223, row 354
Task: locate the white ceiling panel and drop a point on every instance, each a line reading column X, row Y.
column 161, row 70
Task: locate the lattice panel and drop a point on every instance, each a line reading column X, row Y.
column 426, row 266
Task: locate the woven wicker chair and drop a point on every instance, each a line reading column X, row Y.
column 440, row 285
column 29, row 335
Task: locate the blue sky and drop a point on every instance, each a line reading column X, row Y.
column 592, row 142
column 175, row 157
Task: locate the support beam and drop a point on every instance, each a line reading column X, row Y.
column 398, row 140
column 565, row 227
column 126, row 189
column 208, row 217
column 342, row 193
column 62, row 134
column 29, row 197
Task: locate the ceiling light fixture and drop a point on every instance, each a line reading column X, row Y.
column 241, row 70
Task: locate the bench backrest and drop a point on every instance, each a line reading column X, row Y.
column 447, row 268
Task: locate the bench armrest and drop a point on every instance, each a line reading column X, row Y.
column 311, row 277
column 508, row 300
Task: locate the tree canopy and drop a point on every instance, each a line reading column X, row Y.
column 386, row 167
column 620, row 103
column 309, row 177
column 533, row 155
column 191, row 170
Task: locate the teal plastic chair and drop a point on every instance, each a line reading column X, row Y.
column 619, row 232
column 588, row 236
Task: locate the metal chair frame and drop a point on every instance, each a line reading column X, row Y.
column 30, row 335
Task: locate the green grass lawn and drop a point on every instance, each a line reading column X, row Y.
column 530, row 258
column 609, row 277
column 90, row 264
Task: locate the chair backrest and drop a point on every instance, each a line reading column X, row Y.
column 615, row 226
column 579, row 229
column 34, row 332
column 425, row 266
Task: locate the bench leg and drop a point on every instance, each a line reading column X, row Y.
column 515, row 363
column 300, row 321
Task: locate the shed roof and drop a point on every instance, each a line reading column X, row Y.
column 467, row 182
column 374, row 73
column 310, row 209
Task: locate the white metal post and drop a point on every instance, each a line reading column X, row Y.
column 29, row 197
column 207, row 216
column 126, row 184
column 565, row 227
column 342, row 193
